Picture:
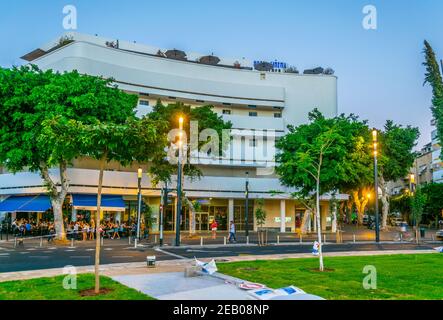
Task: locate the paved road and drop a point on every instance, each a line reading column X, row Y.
column 35, row 258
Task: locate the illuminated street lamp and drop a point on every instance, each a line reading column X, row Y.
column 375, row 149
column 139, row 200
column 178, row 210
column 412, row 183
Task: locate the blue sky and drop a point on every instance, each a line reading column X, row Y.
column 379, row 71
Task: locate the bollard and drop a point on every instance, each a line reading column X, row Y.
column 278, row 239
column 247, row 239
column 41, row 242
column 301, row 238
column 201, row 241
column 15, row 242
column 101, row 239
column 433, row 238
column 353, row 237
column 155, row 239
column 224, row 240
column 129, row 238
column 324, row 238
column 72, row 242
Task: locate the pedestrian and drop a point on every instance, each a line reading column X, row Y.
column 214, row 226
column 232, row 232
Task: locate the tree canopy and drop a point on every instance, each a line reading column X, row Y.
column 434, row 78
column 206, row 118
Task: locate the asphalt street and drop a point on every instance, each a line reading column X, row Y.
column 35, row 258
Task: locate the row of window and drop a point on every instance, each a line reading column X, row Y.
column 225, row 111
column 253, row 113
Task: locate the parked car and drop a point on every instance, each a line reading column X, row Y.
column 439, row 235
column 396, row 222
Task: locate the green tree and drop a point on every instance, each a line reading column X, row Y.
column 203, row 119
column 28, row 97
column 395, row 158
column 314, row 158
column 434, row 78
column 434, row 202
column 260, row 218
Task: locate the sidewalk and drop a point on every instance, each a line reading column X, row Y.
column 179, row 265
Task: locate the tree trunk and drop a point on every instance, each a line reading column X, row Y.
column 191, row 217
column 360, row 205
column 334, row 218
column 385, row 203
column 57, row 198
column 317, row 214
column 97, row 225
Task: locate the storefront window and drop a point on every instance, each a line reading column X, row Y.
column 239, row 216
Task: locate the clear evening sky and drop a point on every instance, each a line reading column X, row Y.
column 380, row 72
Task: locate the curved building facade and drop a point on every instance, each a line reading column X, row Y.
column 260, row 105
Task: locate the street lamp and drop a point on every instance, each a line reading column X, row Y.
column 139, row 199
column 179, row 184
column 247, row 204
column 163, row 205
column 412, row 183
column 375, row 146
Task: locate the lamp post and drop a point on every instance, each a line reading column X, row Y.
column 164, row 203
column 375, row 145
column 247, row 204
column 179, row 185
column 139, row 206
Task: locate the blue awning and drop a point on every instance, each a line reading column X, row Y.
column 89, row 202
column 36, row 203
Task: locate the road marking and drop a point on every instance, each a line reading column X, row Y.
column 90, row 250
column 171, row 254
column 4, row 254
column 24, row 252
column 108, row 249
column 80, row 257
column 206, row 251
column 69, row 250
column 31, row 249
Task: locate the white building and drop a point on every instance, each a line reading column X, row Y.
column 253, row 100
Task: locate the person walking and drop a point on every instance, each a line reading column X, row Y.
column 214, row 226
column 232, row 232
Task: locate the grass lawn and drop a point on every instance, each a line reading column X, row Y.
column 402, row 277
column 52, row 289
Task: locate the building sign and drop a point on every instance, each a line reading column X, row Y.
column 275, row 64
column 278, row 219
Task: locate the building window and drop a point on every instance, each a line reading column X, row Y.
column 277, row 115
column 226, row 111
column 253, row 113
column 144, row 94
column 262, row 76
column 143, row 102
column 251, row 106
column 226, row 104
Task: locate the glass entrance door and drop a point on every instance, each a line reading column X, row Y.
column 201, row 221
